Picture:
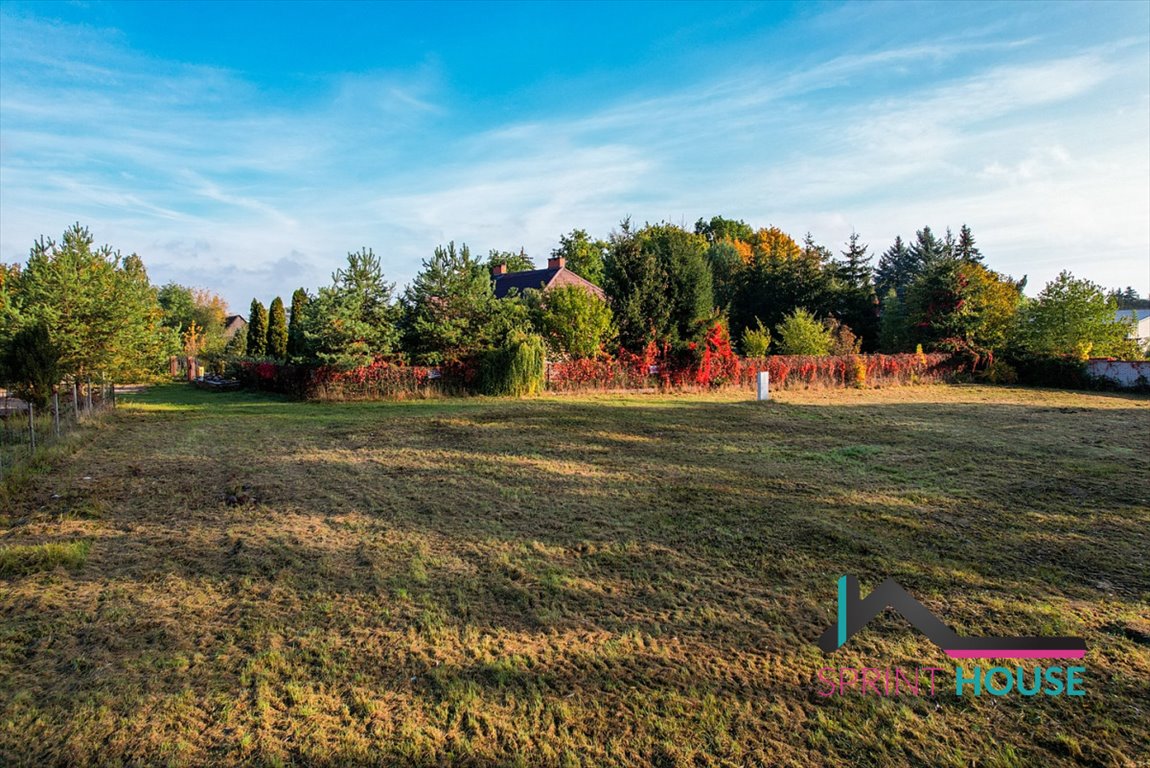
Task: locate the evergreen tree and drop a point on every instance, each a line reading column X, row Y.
column 726, row 265
column 354, row 319
column 297, row 343
column 277, row 330
column 450, row 309
column 237, row 345
column 99, row 307
column 30, row 363
column 257, row 330
column 857, row 305
column 965, row 248
column 681, row 257
column 636, row 288
column 926, row 249
column 855, row 268
column 897, row 267
column 955, row 304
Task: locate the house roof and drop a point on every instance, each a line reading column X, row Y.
column 1138, row 314
column 541, row 279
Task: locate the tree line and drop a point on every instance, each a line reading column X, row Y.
column 76, row 310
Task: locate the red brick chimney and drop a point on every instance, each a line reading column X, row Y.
column 556, row 262
column 499, row 269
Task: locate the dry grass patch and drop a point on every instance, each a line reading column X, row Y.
column 571, row 580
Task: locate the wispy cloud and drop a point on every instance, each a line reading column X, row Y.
column 1044, row 153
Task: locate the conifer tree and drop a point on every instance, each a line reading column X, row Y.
column 257, row 330
column 965, row 248
column 277, row 330
column 297, row 343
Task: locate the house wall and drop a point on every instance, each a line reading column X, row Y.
column 1124, row 373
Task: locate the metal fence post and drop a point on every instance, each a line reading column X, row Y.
column 75, row 401
column 89, row 394
column 56, row 410
column 32, row 427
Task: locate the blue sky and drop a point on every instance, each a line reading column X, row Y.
column 247, row 148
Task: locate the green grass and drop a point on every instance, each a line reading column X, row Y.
column 22, row 559
column 601, row 580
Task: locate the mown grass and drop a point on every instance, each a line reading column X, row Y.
column 22, row 559
column 573, row 581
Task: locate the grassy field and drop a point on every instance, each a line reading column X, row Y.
column 225, row 578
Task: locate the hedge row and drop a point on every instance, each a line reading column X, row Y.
column 519, row 370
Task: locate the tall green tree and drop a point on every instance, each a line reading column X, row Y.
column 659, row 284
column 927, row 249
column 955, row 304
column 574, row 322
column 719, row 229
column 584, row 255
column 781, row 277
column 636, row 287
column 965, row 249
column 726, row 263
column 257, row 329
column 277, row 330
column 1074, row 317
column 99, row 308
column 355, row 318
column 450, row 310
column 897, row 268
column 681, row 255
column 297, row 341
column 515, row 262
column 857, row 303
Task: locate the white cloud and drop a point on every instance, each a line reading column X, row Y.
column 1045, row 154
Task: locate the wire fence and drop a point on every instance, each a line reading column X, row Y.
column 27, row 430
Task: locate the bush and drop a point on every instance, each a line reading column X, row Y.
column 801, row 334
column 756, row 341
column 31, row 362
column 999, row 372
column 517, row 368
column 1062, row 371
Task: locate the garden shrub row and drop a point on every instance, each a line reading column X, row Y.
column 520, row 369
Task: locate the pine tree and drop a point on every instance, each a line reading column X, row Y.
column 966, row 249
column 297, row 344
column 855, row 268
column 257, row 330
column 897, row 267
column 277, row 330
column 99, row 307
column 450, row 309
column 354, row 319
column 926, row 249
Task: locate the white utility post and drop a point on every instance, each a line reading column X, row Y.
column 764, row 385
